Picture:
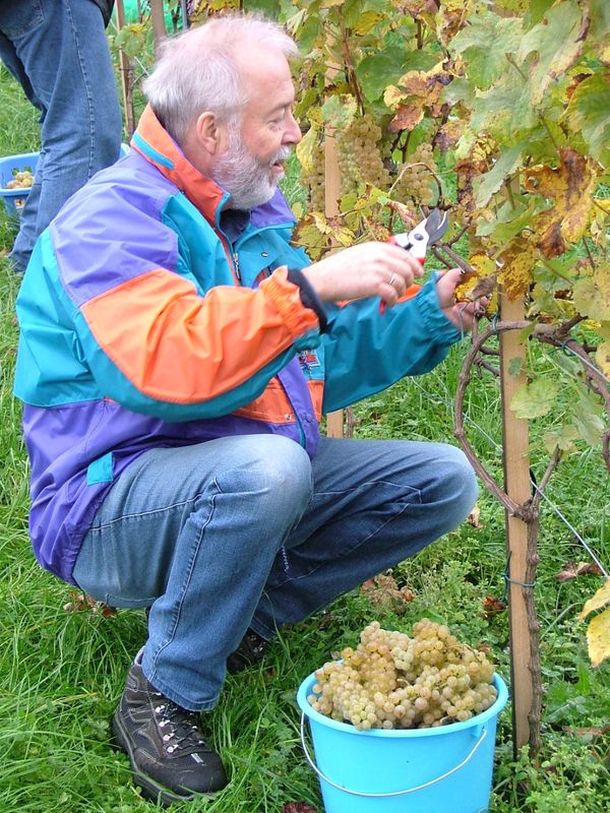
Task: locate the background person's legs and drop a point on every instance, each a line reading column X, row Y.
column 59, row 53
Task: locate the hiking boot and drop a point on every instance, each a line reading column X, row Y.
column 250, row 651
column 170, row 758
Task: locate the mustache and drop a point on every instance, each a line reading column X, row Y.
column 282, row 154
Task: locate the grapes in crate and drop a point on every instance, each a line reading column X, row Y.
column 22, row 179
column 392, row 680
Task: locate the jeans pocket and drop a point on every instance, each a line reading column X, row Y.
column 18, row 19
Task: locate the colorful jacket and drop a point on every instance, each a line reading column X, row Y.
column 143, row 325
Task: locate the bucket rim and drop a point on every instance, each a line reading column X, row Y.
column 494, row 710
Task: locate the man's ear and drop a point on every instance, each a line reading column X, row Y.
column 209, row 133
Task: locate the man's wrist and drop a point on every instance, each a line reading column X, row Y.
column 309, row 296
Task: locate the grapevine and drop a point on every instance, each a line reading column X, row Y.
column 392, row 680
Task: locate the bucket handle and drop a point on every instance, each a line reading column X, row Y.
column 313, row 765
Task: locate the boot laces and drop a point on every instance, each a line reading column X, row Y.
column 179, row 727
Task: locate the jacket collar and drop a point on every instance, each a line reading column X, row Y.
column 155, row 144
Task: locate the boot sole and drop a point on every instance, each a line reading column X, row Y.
column 151, row 789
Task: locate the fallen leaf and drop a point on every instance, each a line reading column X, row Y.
column 474, row 517
column 492, row 606
column 572, row 570
column 298, row 807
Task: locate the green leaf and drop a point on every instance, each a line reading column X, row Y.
column 484, row 43
column 587, row 421
column 339, row 110
column 505, row 110
column 589, row 113
column 379, row 70
column 589, row 300
column 491, row 181
column 534, row 400
column 554, row 45
column 562, row 439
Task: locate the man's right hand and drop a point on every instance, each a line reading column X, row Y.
column 368, row 269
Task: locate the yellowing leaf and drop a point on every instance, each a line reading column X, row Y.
column 393, row 96
column 366, row 22
column 592, row 295
column 570, row 186
column 596, row 602
column 306, row 149
column 598, row 638
column 602, row 357
column 515, row 275
column 534, row 400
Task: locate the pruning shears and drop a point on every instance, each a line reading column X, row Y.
column 426, row 233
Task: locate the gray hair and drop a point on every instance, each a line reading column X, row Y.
column 198, row 70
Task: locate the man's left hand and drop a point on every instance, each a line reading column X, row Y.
column 461, row 314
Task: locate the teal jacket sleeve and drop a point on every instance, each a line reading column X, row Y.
column 366, row 351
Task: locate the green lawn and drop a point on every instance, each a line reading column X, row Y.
column 62, row 671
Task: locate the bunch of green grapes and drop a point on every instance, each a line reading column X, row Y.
column 358, row 155
column 314, row 180
column 22, row 179
column 415, row 180
column 392, row 680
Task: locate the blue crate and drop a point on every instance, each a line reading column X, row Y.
column 14, row 199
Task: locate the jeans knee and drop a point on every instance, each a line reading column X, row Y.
column 273, row 471
column 458, row 480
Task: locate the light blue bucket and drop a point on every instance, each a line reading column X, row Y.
column 424, row 770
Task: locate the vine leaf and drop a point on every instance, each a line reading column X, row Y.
column 562, row 439
column 597, row 601
column 588, row 423
column 534, row 400
column 306, row 149
column 570, row 187
column 556, row 43
column 589, row 113
column 485, row 42
column 592, row 295
column 598, row 631
column 491, row 181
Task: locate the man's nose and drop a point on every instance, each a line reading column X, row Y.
column 292, row 134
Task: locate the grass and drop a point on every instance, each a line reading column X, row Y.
column 62, row 671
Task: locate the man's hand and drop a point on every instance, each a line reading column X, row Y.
column 461, row 314
column 369, row 269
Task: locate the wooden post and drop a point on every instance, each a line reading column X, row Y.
column 125, row 71
column 158, row 21
column 517, row 485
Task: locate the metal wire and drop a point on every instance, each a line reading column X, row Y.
column 550, row 504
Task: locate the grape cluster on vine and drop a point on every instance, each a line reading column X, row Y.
column 415, row 178
column 359, row 156
column 391, row 680
column 314, row 180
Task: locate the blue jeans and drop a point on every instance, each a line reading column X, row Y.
column 57, row 50
column 248, row 532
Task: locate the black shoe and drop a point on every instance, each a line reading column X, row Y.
column 250, row 651
column 169, row 756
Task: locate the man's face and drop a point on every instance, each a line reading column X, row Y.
column 261, row 139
